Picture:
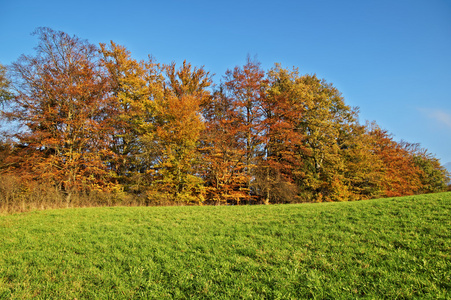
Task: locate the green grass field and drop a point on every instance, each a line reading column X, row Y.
column 390, row 248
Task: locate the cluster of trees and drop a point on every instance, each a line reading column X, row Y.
column 93, row 118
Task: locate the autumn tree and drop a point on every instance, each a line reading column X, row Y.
column 178, row 126
column 5, row 93
column 246, row 88
column 5, row 96
column 433, row 176
column 95, row 118
column 363, row 172
column 62, row 105
column 134, row 86
column 223, row 157
column 324, row 123
column 280, row 159
column 400, row 174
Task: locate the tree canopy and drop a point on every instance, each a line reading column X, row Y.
column 93, row 118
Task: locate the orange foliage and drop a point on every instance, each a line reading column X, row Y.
column 401, row 175
column 97, row 119
column 63, row 103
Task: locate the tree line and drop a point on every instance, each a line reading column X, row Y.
column 92, row 118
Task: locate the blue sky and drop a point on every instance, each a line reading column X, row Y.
column 390, row 58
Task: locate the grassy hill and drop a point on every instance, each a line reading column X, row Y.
column 387, row 248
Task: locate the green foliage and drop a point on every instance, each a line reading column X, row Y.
column 390, row 249
column 434, row 177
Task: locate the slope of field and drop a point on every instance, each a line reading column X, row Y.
column 388, row 248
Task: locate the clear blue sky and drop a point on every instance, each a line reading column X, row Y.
column 391, row 58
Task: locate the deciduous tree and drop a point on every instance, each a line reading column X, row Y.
column 280, row 160
column 178, row 125
column 5, row 93
column 324, row 123
column 223, row 157
column 400, row 174
column 433, row 176
column 62, row 104
column 363, row 172
column 134, row 86
column 246, row 86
